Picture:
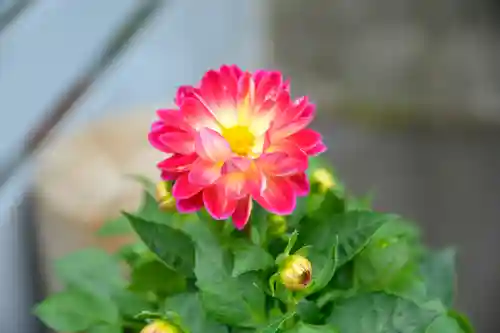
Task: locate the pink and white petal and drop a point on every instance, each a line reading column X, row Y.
column 237, row 72
column 288, row 147
column 154, row 140
column 317, row 149
column 290, row 128
column 278, row 196
column 229, row 81
column 190, row 205
column 261, row 122
column 178, row 163
column 308, row 112
column 306, row 138
column 204, row 172
column 184, row 92
column 197, row 114
column 242, row 212
column 233, row 185
column 219, row 206
column 183, row 188
column 268, row 88
column 282, row 164
column 211, row 90
column 157, row 125
column 178, row 142
column 300, row 183
column 173, row 118
column 245, row 98
column 236, row 164
column 212, row 146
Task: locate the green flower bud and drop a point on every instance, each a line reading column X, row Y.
column 323, row 178
column 160, row 326
column 277, row 225
column 164, row 196
column 296, row 272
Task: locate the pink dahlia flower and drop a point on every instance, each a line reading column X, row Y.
column 235, row 138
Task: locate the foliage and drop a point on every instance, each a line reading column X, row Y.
column 370, row 273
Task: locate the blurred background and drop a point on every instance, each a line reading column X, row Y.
column 407, row 95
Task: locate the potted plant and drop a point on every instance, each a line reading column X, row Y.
column 249, row 231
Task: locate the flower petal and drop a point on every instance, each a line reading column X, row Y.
column 173, row 118
column 268, row 87
column 278, row 197
column 282, row 164
column 197, row 114
column 178, row 142
column 300, row 183
column 306, row 138
column 183, row 188
column 190, row 205
column 178, row 163
column 245, row 98
column 165, row 175
column 319, row 148
column 205, row 172
column 212, row 146
column 233, row 185
column 219, row 206
column 242, row 212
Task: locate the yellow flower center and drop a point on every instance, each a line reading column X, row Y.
column 240, row 139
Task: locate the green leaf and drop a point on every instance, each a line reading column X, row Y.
column 91, row 270
column 380, row 313
column 259, row 224
column 234, row 301
column 106, row 328
column 354, row 230
column 444, row 324
column 438, row 271
column 150, row 211
column 188, row 306
column 116, row 227
column 407, row 284
column 130, row 304
column 309, row 312
column 301, row 327
column 381, row 261
column 133, row 253
column 249, row 257
column 463, row 321
column 332, row 204
column 156, row 277
column 277, row 323
column 75, row 311
column 172, row 246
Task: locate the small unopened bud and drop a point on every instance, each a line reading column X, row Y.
column 164, row 196
column 277, row 225
column 323, row 178
column 160, row 326
column 296, row 272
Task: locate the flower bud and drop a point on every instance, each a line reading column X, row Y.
column 164, row 196
column 323, row 178
column 160, row 326
column 277, row 225
column 296, row 272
